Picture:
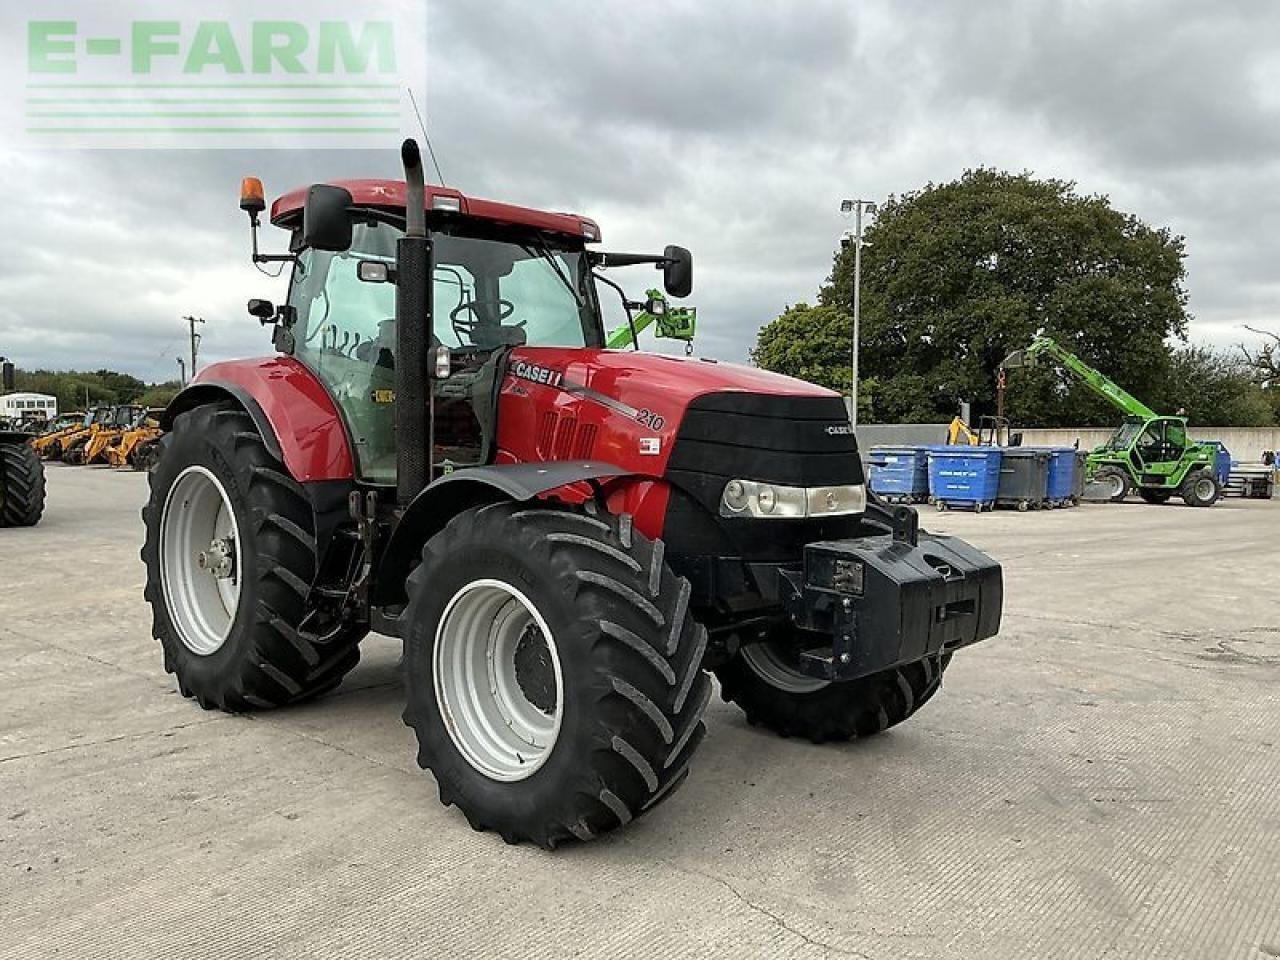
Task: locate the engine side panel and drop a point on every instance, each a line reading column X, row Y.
column 306, row 423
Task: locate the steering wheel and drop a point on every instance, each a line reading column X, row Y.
column 464, row 326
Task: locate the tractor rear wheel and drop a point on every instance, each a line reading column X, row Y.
column 1200, row 489
column 764, row 680
column 1115, row 481
column 1154, row 496
column 21, row 485
column 553, row 671
column 230, row 553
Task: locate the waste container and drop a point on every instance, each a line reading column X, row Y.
column 1078, row 482
column 900, row 474
column 963, row 476
column 1060, row 487
column 1221, row 461
column 1024, row 478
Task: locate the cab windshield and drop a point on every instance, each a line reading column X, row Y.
column 488, row 293
column 1123, row 438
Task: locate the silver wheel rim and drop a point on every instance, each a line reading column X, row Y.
column 200, row 560
column 771, row 667
column 1117, row 486
column 1204, row 489
column 503, row 716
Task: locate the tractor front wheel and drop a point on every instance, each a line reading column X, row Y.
column 1115, row 481
column 21, row 485
column 765, row 681
column 230, row 554
column 553, row 671
column 1200, row 489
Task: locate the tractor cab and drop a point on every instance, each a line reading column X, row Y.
column 502, row 277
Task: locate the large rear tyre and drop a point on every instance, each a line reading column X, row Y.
column 1200, row 489
column 553, row 672
column 1115, row 481
column 21, row 485
column 230, row 553
column 764, row 681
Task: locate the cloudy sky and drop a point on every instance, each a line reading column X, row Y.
column 732, row 129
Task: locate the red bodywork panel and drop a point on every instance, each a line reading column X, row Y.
column 303, row 415
column 621, row 407
column 390, row 195
column 556, row 403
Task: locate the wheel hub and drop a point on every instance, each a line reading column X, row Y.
column 199, row 551
column 219, row 560
column 535, row 674
column 498, row 680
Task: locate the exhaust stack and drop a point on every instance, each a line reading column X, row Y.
column 413, row 333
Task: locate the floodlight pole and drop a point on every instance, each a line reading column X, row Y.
column 857, row 207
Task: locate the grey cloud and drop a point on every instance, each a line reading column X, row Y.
column 732, row 129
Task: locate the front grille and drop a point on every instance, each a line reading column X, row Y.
column 798, row 441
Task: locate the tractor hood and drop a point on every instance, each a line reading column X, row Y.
column 626, row 407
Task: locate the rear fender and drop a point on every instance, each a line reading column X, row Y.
column 292, row 409
column 441, row 501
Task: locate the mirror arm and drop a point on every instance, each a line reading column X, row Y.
column 626, row 306
column 265, row 257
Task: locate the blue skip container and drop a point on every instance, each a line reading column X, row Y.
column 1221, row 461
column 900, row 474
column 964, row 477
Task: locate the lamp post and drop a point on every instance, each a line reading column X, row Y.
column 858, row 208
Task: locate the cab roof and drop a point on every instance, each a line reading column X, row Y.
column 390, row 195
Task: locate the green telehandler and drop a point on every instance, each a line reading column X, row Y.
column 1149, row 453
column 674, row 323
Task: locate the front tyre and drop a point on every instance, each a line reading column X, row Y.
column 1200, row 489
column 230, row 554
column 765, row 681
column 553, row 671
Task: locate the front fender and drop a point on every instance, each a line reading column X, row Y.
column 293, row 411
column 463, row 489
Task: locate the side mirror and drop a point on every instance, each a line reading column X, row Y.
column 262, row 309
column 326, row 218
column 677, row 271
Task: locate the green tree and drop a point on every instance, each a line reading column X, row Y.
column 957, row 275
column 1215, row 389
column 159, row 394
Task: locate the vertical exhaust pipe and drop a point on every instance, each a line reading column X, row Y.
column 413, row 336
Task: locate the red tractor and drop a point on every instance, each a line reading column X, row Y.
column 566, row 538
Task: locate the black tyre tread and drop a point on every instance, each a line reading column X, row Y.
column 839, row 711
column 22, row 489
column 1155, row 496
column 282, row 665
column 646, row 712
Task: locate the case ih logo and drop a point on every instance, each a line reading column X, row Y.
column 839, row 430
column 267, row 73
column 538, row 374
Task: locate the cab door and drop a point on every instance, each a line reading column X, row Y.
column 345, row 332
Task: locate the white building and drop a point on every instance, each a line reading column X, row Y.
column 19, row 406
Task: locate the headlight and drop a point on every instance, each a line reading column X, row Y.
column 770, row 501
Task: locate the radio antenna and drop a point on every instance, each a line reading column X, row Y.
column 426, row 137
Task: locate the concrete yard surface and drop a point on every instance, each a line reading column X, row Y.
column 1100, row 780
